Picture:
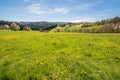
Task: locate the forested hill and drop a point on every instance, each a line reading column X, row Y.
column 33, row 25
column 40, row 25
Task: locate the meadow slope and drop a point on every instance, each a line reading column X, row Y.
column 59, row 56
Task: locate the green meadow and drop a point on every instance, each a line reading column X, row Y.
column 35, row 55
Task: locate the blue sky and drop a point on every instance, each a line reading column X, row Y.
column 58, row 10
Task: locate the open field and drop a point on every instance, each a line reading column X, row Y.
column 59, row 56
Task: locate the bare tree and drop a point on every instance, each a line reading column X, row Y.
column 6, row 27
column 58, row 29
column 1, row 27
column 27, row 28
column 14, row 26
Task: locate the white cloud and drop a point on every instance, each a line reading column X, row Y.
column 99, row 1
column 32, row 1
column 107, row 12
column 73, row 0
column 29, row 0
column 85, row 19
column 35, row 8
column 62, row 10
column 84, row 6
column 94, row 1
column 39, row 9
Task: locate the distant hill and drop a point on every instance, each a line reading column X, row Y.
column 34, row 25
column 40, row 25
column 103, row 26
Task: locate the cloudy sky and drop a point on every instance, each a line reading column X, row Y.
column 58, row 10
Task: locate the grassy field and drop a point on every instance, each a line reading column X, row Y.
column 59, row 56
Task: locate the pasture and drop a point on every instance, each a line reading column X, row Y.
column 59, row 56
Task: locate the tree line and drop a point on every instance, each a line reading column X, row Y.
column 41, row 26
column 111, row 25
column 5, row 25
